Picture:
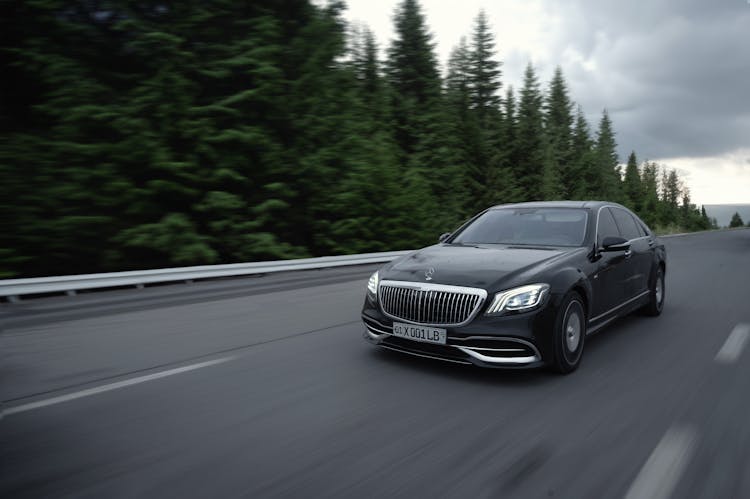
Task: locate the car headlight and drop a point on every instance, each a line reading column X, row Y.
column 372, row 285
column 523, row 298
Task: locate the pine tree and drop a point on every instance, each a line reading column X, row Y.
column 632, row 184
column 705, row 221
column 504, row 170
column 650, row 194
column 465, row 133
column 366, row 67
column 558, row 122
column 419, row 118
column 581, row 159
column 457, row 81
column 364, row 208
column 484, row 72
column 690, row 216
column 412, row 69
column 509, row 131
column 552, row 187
column 484, row 85
column 530, row 141
column 412, row 74
column 736, row 221
column 671, row 191
column 606, row 176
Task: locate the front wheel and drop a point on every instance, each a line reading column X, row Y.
column 570, row 334
column 656, row 300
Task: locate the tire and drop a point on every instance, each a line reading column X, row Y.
column 570, row 334
column 656, row 298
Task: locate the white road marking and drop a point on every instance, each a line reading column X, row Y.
column 732, row 348
column 111, row 386
column 662, row 470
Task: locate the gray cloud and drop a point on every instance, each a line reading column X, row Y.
column 675, row 76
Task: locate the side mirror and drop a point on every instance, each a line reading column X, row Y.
column 444, row 236
column 615, row 243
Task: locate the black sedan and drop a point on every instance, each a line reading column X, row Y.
column 518, row 285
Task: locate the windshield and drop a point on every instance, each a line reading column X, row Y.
column 526, row 226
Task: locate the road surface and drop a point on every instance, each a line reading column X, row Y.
column 263, row 387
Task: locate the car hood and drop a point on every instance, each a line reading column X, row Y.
column 491, row 267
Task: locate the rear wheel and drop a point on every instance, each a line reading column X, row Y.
column 656, row 300
column 570, row 334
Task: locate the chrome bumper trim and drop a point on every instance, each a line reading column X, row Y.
column 366, row 318
column 499, row 360
column 376, row 331
column 377, row 335
column 499, row 338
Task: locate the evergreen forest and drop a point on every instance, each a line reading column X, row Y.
column 146, row 134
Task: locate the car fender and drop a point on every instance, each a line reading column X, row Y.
column 566, row 279
column 659, row 258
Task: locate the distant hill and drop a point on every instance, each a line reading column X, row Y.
column 723, row 212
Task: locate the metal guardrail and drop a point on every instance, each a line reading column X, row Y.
column 14, row 288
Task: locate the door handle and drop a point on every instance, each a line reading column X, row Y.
column 628, row 253
column 651, row 243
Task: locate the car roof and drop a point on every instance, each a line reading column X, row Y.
column 558, row 204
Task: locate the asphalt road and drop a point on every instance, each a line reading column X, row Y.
column 264, row 388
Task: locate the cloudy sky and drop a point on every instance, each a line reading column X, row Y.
column 674, row 74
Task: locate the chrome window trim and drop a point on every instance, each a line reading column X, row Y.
column 426, row 286
column 632, row 215
column 598, row 216
column 635, row 217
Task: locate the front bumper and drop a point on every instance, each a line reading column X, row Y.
column 509, row 341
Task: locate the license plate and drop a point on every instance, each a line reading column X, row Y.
column 420, row 333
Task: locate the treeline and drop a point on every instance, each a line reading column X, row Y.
column 736, row 221
column 150, row 134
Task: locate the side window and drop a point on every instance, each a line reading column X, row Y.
column 606, row 226
column 642, row 227
column 626, row 222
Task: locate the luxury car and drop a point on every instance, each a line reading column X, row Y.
column 518, row 285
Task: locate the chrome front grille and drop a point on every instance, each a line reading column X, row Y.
column 431, row 304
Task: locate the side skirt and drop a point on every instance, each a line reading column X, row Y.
column 621, row 310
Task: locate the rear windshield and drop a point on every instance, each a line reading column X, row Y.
column 527, row 226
